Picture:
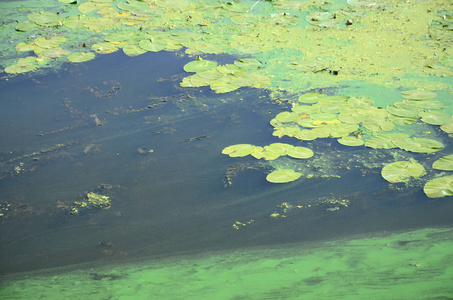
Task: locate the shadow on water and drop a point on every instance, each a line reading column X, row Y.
column 124, row 128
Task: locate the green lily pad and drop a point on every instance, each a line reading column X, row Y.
column 444, row 163
column 104, row 48
column 55, row 53
column 438, row 70
column 133, row 5
column 153, row 45
column 418, row 145
column 23, row 65
column 402, row 171
column 199, row 65
column 439, row 187
column 248, row 63
column 434, row 117
column 78, row 57
column 311, row 97
column 27, row 26
column 385, row 141
column 283, row 176
column 286, row 130
column 239, row 150
column 360, row 101
column 133, row 50
column 49, row 43
column 194, row 81
column 351, row 117
column 378, row 124
column 351, row 141
column 418, row 95
column 306, row 135
column 402, row 110
column 426, row 104
column 222, row 86
column 398, row 120
column 45, row 18
column 23, row 47
column 287, row 116
column 448, row 127
column 98, row 24
column 300, row 152
column 90, row 6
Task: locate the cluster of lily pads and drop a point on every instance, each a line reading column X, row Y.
column 224, row 78
column 353, row 121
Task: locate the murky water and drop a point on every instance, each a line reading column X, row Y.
column 122, row 127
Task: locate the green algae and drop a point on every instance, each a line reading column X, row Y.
column 400, row 265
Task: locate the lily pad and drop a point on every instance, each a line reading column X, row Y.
column 248, row 63
column 199, row 65
column 287, row 116
column 23, row 65
column 444, row 163
column 27, row 26
column 385, row 141
column 239, row 150
column 418, row 95
column 402, row 171
column 133, row 5
column 55, row 53
column 312, row 97
column 300, row 152
column 418, row 145
column 133, row 50
column 153, row 45
column 438, row 70
column 78, row 57
column 45, row 18
column 104, row 48
column 377, row 124
column 448, row 127
column 351, row 141
column 402, row 110
column 439, row 187
column 283, row 176
column 434, row 117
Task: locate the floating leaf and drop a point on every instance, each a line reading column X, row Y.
column 248, row 63
column 439, row 187
column 238, row 150
column 199, row 65
column 434, row 117
column 78, row 57
column 448, row 127
column 23, row 47
column 385, row 141
column 27, row 26
column 378, row 124
column 153, row 45
column 418, row 95
column 444, row 163
column 287, row 116
column 55, row 53
column 90, row 6
column 305, row 66
column 45, row 18
column 402, row 171
column 438, row 70
column 402, row 109
column 104, row 48
column 402, row 120
column 283, row 176
column 133, row 5
column 419, row 145
column 351, row 141
column 133, row 50
column 49, row 43
column 23, row 65
column 426, row 104
column 299, row 152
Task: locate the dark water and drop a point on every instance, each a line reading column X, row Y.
column 90, row 127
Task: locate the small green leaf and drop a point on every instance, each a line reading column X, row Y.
column 283, row 176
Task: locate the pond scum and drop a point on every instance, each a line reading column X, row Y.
column 294, row 49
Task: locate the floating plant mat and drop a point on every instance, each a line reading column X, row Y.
column 353, row 121
column 283, row 42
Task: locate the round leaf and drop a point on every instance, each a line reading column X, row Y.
column 283, row 176
column 402, row 171
column 439, row 187
column 434, row 117
column 238, row 150
column 78, row 57
column 199, row 65
column 299, row 152
column 418, row 95
column 444, row 163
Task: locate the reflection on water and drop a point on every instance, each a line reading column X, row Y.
column 123, row 128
